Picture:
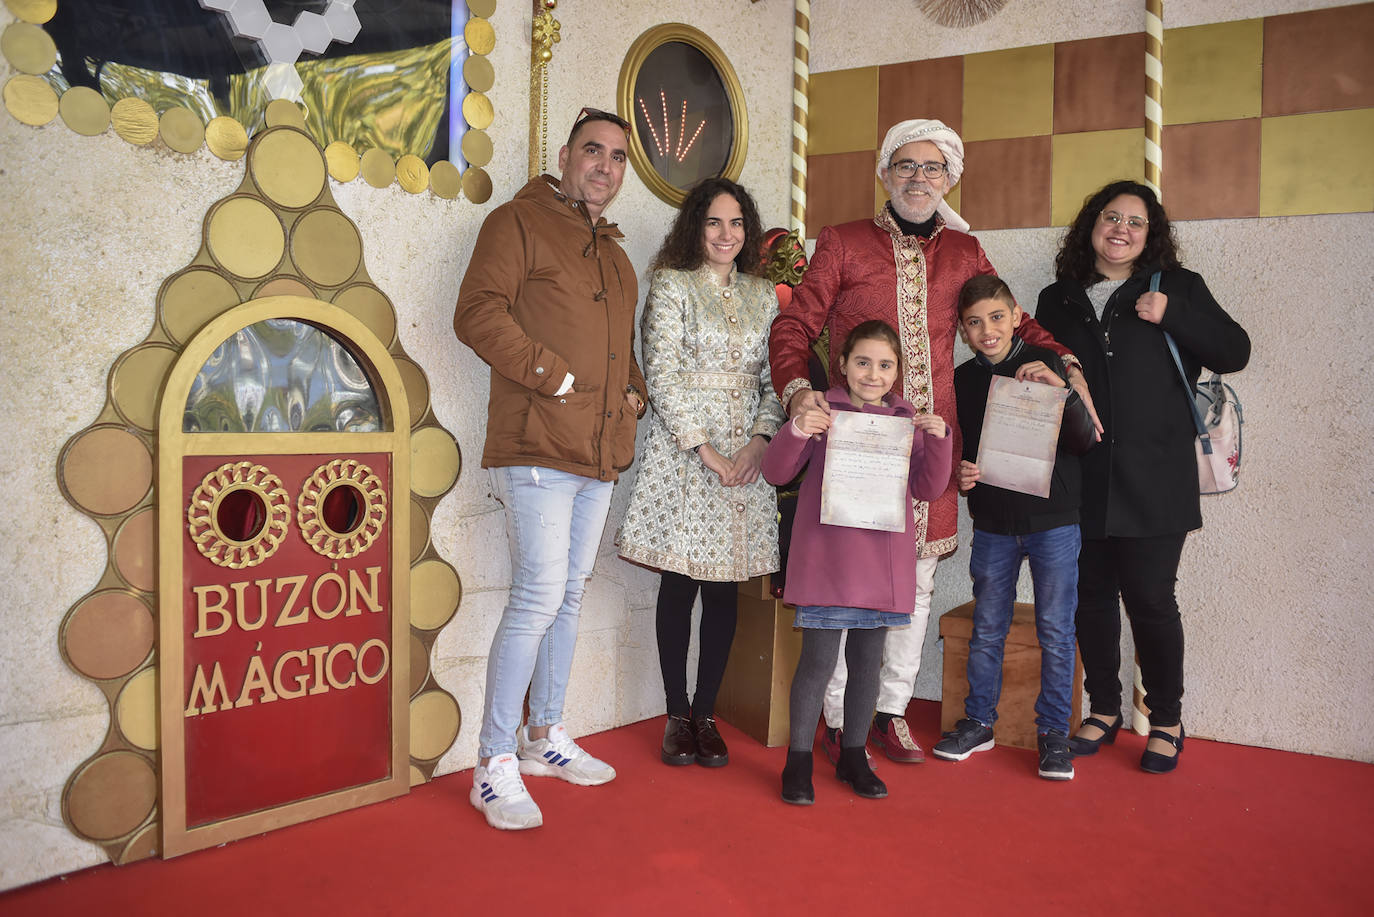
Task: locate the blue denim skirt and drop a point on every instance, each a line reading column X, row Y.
column 837, row 617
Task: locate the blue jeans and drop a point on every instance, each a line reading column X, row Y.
column 995, row 565
column 554, row 521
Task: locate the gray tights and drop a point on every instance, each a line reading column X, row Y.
column 863, row 654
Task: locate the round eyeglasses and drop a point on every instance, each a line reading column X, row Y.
column 1136, row 224
column 906, row 168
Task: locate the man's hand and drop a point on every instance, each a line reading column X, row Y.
column 747, row 462
column 806, row 398
column 635, row 403
column 1080, row 385
column 718, row 463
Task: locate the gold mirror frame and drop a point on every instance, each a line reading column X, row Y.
column 639, row 52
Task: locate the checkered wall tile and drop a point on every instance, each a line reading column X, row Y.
column 1263, row 117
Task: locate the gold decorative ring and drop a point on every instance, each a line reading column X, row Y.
column 243, row 482
column 356, row 534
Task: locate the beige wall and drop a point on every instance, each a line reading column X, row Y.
column 91, row 226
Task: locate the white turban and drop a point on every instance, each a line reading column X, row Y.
column 946, row 140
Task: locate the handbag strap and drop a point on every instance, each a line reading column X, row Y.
column 1203, row 436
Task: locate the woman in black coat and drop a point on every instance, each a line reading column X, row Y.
column 1140, row 483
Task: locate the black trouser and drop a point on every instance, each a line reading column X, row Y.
column 1141, row 573
column 719, row 606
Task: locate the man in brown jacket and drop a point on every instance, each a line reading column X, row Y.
column 548, row 302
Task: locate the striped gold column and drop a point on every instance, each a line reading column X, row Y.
column 801, row 88
column 1154, row 94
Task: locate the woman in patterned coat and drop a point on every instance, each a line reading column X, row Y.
column 700, row 512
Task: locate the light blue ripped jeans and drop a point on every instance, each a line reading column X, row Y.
column 554, row 520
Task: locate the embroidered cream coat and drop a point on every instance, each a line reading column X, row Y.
column 705, row 359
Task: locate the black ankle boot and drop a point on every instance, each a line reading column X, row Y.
column 796, row 779
column 853, row 769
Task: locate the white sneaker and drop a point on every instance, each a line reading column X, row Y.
column 499, row 793
column 559, row 756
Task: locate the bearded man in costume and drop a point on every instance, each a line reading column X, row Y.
column 906, row 267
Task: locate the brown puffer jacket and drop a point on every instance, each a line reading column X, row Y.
column 547, row 293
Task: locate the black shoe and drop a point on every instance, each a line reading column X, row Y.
column 1153, row 762
column 796, row 779
column 1056, row 760
column 1081, row 748
column 679, row 746
column 711, row 750
column 967, row 736
column 853, row 769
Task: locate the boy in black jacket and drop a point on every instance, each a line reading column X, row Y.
column 1008, row 526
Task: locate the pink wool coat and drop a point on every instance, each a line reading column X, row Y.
column 838, row 565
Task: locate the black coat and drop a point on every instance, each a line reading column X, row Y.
column 1007, row 512
column 1141, row 480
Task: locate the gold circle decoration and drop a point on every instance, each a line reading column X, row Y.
column 434, row 461
column 202, row 514
column 435, row 592
column 343, row 161
column 478, row 111
column 31, row 100
column 378, row 169
column 656, row 43
column 434, row 722
column 181, row 130
column 478, row 72
column 477, row 185
column 107, row 635
column 143, row 845
column 444, row 180
column 483, row 8
column 412, row 174
column 226, row 138
column 477, row 147
column 85, row 111
column 310, row 517
column 284, row 286
column 416, row 386
column 135, row 121
column 419, row 530
column 136, row 382
column 28, row 48
column 284, row 113
column 105, row 470
column 325, row 245
column 479, row 35
column 419, row 664
column 134, row 546
column 136, row 709
column 110, row 795
column 35, row 11
column 287, row 167
column 371, row 307
column 192, row 298
column 245, row 236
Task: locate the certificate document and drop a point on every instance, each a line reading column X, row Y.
column 1020, row 435
column 867, row 458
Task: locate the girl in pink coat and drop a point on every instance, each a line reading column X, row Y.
column 839, row 577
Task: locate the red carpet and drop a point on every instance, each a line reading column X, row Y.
column 1235, row 830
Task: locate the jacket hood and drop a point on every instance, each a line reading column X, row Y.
column 544, row 191
column 838, row 397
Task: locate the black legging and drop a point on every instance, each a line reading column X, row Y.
column 719, row 607
column 1142, row 573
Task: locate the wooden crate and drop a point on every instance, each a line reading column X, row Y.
column 1020, row 676
column 758, row 678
